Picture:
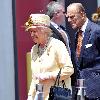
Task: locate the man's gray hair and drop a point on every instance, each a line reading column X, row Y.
column 53, row 7
column 79, row 7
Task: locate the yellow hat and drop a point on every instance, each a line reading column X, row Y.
column 37, row 20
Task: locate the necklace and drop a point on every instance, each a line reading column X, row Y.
column 38, row 51
column 41, row 50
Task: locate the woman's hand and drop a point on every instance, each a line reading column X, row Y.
column 30, row 97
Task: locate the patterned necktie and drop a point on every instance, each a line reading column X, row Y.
column 79, row 43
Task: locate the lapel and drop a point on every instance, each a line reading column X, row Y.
column 63, row 28
column 55, row 30
column 57, row 34
column 86, row 38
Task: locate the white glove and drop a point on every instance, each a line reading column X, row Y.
column 42, row 76
column 30, row 97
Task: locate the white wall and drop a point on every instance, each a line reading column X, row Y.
column 7, row 90
column 98, row 3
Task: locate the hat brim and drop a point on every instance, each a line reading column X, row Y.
column 35, row 27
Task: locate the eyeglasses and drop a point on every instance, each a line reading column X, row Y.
column 71, row 17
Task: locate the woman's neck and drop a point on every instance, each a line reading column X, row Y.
column 44, row 43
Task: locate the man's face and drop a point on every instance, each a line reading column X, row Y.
column 75, row 18
column 59, row 16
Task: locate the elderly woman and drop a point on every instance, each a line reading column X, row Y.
column 48, row 55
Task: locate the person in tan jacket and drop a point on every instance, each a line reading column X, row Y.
column 48, row 55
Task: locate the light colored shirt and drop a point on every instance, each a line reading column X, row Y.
column 84, row 27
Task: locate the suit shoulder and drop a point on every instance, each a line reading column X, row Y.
column 95, row 26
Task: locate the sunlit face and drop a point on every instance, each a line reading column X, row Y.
column 59, row 16
column 36, row 34
column 75, row 18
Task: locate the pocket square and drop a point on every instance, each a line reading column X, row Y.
column 88, row 45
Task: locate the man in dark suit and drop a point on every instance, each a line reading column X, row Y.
column 56, row 12
column 87, row 59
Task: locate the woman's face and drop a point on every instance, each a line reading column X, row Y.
column 38, row 34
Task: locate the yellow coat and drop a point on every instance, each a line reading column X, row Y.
column 54, row 57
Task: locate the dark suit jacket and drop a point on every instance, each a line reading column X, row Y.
column 57, row 34
column 88, row 63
